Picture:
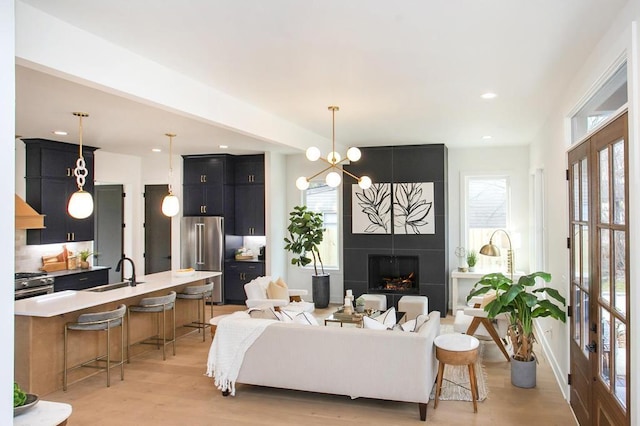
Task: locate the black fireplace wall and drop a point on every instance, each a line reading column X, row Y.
column 401, row 164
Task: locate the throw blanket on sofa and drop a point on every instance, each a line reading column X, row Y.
column 234, row 335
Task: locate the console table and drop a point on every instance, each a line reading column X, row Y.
column 456, row 275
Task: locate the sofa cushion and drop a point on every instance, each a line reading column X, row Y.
column 277, row 291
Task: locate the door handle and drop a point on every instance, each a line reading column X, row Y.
column 591, row 347
column 593, row 327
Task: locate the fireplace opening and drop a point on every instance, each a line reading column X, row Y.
column 393, row 274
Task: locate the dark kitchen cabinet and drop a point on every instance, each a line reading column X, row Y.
column 249, row 210
column 249, row 169
column 249, row 205
column 81, row 280
column 49, row 185
column 208, row 185
column 236, row 275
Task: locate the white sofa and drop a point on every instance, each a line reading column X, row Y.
column 381, row 364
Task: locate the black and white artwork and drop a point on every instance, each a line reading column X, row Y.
column 413, row 211
column 371, row 209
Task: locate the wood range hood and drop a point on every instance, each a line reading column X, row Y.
column 27, row 217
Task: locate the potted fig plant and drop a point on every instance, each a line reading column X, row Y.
column 306, row 232
column 522, row 302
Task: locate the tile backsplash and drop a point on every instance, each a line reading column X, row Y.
column 28, row 258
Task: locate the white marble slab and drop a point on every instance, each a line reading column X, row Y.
column 63, row 302
column 44, row 413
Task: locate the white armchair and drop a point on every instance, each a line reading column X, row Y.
column 256, row 291
column 474, row 320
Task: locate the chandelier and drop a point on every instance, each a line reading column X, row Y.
column 170, row 203
column 81, row 202
column 334, row 160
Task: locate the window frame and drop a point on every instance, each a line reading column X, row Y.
column 465, row 177
column 338, row 224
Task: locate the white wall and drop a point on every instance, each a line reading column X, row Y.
column 298, row 165
column 548, row 150
column 7, row 214
column 276, row 214
column 509, row 161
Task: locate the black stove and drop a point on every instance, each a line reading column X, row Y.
column 29, row 284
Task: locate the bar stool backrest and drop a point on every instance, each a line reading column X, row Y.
column 99, row 320
column 198, row 289
column 158, row 303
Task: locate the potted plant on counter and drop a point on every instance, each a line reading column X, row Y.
column 472, row 259
column 84, row 255
column 522, row 302
column 306, row 231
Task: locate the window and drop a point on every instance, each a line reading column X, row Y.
column 322, row 198
column 486, row 210
column 602, row 105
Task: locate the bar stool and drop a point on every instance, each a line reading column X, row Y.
column 201, row 293
column 98, row 321
column 158, row 305
column 457, row 349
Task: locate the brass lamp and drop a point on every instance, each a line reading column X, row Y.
column 494, row 251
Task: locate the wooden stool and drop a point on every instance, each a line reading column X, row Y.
column 457, row 349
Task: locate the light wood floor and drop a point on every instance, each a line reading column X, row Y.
column 176, row 392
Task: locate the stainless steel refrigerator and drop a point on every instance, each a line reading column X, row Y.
column 202, row 247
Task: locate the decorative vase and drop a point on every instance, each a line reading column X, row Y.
column 360, row 308
column 84, row 264
column 523, row 373
column 472, row 268
column 320, row 290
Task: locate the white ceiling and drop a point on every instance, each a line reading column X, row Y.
column 402, row 72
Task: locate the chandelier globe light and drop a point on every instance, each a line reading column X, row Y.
column 80, row 204
column 334, row 160
column 170, row 203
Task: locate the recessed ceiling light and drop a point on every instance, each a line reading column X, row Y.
column 156, row 150
column 488, row 95
column 487, row 137
column 224, row 146
column 59, row 132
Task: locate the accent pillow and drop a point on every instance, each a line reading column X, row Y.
column 388, row 318
column 304, row 318
column 415, row 325
column 275, row 291
column 281, row 283
column 264, row 312
column 372, row 324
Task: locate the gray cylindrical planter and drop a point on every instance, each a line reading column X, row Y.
column 523, row 373
column 320, row 288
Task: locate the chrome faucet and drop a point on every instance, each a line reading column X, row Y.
column 133, row 270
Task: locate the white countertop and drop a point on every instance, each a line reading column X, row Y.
column 63, row 302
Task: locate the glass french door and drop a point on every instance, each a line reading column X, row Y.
column 599, row 353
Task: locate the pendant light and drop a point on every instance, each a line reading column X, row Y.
column 333, row 178
column 170, row 203
column 81, row 202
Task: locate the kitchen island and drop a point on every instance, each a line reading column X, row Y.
column 39, row 326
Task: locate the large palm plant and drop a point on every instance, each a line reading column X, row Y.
column 523, row 303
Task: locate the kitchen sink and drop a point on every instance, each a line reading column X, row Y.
column 107, row 287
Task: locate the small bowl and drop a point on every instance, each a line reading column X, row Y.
column 31, row 401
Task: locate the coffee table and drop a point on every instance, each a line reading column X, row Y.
column 357, row 320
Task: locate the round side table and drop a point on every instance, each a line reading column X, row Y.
column 214, row 324
column 457, row 349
